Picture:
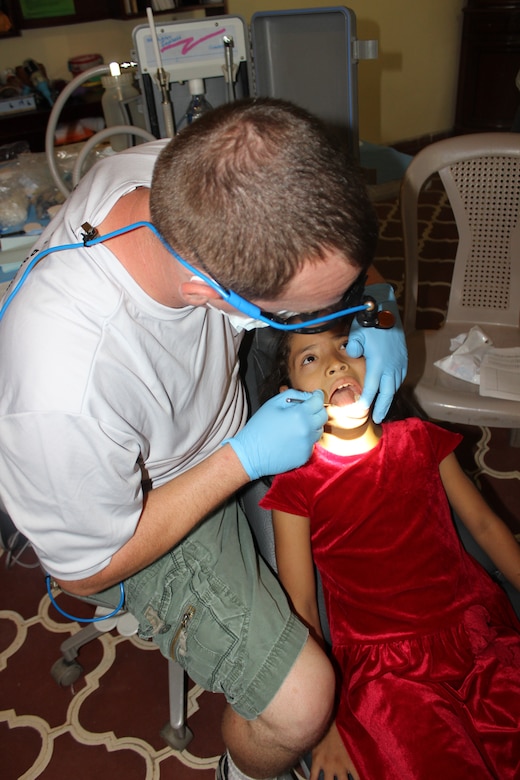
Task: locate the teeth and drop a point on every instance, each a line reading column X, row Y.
column 357, row 396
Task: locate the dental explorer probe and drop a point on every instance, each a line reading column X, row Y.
column 300, row 401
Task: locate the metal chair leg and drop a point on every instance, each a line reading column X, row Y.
column 176, row 733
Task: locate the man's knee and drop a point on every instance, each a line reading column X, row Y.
column 302, row 708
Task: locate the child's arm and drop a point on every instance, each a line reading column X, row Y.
column 295, row 567
column 488, row 530
column 296, row 572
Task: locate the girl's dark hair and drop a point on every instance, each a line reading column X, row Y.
column 404, row 404
column 278, row 375
column 280, row 347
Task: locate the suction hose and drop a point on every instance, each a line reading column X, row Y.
column 99, row 70
column 107, row 132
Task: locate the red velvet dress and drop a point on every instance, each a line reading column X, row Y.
column 427, row 645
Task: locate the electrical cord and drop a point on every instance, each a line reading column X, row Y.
column 13, row 558
column 30, row 265
column 84, row 620
column 44, row 252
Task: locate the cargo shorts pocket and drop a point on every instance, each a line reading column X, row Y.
column 149, row 597
column 209, row 637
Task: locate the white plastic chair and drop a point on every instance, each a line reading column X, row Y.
column 481, row 176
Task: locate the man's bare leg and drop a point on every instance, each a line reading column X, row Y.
column 290, row 725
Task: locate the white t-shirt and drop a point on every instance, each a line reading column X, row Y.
column 103, row 389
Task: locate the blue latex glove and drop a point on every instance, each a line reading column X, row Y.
column 280, row 435
column 385, row 352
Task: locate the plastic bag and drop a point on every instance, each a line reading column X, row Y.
column 467, row 351
column 28, row 193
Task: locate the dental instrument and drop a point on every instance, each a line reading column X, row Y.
column 163, row 78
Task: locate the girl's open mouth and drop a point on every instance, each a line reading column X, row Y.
column 347, row 393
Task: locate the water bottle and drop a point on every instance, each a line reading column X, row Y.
column 121, row 103
column 198, row 104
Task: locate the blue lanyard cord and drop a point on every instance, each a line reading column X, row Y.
column 223, row 292
column 36, row 259
column 230, row 297
column 44, row 252
column 85, row 620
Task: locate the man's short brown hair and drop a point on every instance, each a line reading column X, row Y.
column 256, row 188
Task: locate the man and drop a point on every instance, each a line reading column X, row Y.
column 122, row 412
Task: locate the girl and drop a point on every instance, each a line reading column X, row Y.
column 427, row 646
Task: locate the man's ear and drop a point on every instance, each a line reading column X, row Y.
column 196, row 292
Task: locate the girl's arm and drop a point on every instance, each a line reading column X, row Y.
column 295, row 567
column 296, row 572
column 488, row 530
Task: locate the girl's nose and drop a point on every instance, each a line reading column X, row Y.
column 337, row 365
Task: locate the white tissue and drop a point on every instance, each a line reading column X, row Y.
column 467, row 351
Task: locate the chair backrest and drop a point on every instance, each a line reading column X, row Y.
column 481, row 176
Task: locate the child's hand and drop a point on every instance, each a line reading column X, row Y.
column 330, row 757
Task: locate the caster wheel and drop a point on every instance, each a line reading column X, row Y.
column 66, row 673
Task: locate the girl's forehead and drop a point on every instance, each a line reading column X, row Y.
column 306, row 340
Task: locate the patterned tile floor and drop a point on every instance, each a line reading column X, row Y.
column 108, row 723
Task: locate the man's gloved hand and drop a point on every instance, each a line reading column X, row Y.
column 385, row 352
column 280, row 435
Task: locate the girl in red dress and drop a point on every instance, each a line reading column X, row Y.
column 426, row 644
